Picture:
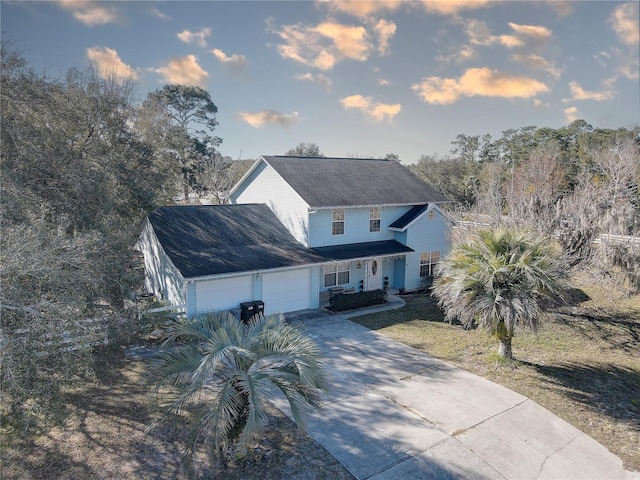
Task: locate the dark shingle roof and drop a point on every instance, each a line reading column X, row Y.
column 362, row 250
column 344, row 182
column 217, row 239
column 409, row 217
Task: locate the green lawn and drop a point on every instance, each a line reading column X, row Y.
column 583, row 365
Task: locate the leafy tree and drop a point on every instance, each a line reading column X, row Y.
column 489, row 150
column 499, row 279
column 192, row 114
column 77, row 179
column 515, row 146
column 305, row 150
column 466, row 148
column 455, row 178
column 219, row 374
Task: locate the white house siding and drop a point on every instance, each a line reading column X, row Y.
column 289, row 207
column 286, row 291
column 356, row 226
column 222, row 294
column 161, row 277
column 424, row 236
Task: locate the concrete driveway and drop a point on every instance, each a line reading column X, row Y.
column 394, row 412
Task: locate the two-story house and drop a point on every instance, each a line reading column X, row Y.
column 296, row 228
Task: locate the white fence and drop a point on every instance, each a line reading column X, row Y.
column 603, row 238
column 91, row 332
column 617, row 239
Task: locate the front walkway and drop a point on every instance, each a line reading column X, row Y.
column 393, row 412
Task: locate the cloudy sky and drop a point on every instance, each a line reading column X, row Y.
column 357, row 78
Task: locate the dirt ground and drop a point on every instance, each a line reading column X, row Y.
column 105, row 438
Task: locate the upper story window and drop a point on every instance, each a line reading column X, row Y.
column 337, row 221
column 374, row 219
column 428, row 263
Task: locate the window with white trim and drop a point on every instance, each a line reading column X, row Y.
column 337, row 274
column 337, row 221
column 428, row 263
column 374, row 219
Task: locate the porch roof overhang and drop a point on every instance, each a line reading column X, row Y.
column 359, row 251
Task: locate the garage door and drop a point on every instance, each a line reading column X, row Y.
column 226, row 294
column 286, row 291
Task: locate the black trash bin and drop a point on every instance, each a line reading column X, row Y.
column 247, row 310
column 258, row 308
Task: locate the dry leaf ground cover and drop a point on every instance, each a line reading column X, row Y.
column 104, row 438
column 583, row 365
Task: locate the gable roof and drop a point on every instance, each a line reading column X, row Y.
column 217, row 239
column 348, row 182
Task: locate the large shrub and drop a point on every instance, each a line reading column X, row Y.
column 349, row 301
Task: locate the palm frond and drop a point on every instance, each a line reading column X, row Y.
column 499, row 277
column 218, row 371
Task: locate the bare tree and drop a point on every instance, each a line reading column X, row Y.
column 216, row 177
column 532, row 190
column 604, row 201
column 490, row 200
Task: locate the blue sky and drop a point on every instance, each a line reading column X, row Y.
column 356, row 78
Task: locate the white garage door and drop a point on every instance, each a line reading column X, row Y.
column 286, row 291
column 226, row 294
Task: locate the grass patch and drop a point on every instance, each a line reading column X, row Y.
column 583, row 365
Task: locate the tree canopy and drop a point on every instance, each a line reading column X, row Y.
column 78, row 177
column 190, row 115
column 305, row 150
column 576, row 182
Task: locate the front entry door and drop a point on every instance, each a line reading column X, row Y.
column 374, row 274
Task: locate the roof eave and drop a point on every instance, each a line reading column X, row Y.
column 221, row 276
column 371, row 205
column 381, row 255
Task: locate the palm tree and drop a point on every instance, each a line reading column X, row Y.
column 499, row 279
column 217, row 374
